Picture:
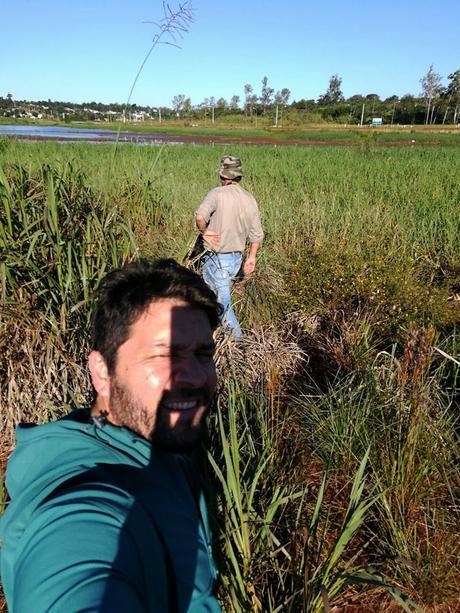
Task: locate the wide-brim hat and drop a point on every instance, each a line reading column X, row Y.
column 230, row 167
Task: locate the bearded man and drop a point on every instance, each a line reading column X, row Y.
column 107, row 512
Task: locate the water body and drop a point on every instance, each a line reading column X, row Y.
column 64, row 134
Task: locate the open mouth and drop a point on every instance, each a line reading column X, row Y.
column 182, row 405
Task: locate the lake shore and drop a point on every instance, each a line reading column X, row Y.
column 153, row 133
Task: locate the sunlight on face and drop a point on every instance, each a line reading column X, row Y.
column 165, row 375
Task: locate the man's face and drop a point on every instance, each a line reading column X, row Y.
column 165, row 375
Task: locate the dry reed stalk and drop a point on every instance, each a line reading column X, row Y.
column 264, row 356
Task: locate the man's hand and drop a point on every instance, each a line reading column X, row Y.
column 249, row 265
column 212, row 238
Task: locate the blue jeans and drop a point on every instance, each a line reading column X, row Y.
column 219, row 270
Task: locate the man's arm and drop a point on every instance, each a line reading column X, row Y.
column 212, row 238
column 200, row 223
column 255, row 237
column 81, row 553
column 202, row 217
column 250, row 262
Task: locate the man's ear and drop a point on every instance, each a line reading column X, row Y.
column 99, row 374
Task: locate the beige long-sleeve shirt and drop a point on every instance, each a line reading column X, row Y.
column 232, row 212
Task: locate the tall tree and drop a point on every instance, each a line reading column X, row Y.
column 356, row 99
column 389, row 104
column 453, row 94
column 407, row 109
column 373, row 98
column 431, row 86
column 204, row 106
column 334, row 92
column 249, row 99
column 212, row 104
column 221, row 104
column 281, row 99
column 178, row 103
column 234, row 103
column 285, row 95
column 266, row 95
column 187, row 106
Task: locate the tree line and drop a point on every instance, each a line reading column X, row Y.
column 436, row 104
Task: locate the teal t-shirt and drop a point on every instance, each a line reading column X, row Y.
column 99, row 520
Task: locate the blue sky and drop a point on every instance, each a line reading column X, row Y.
column 91, row 49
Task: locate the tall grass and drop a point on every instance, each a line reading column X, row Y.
column 371, row 199
column 284, row 545
column 58, row 238
column 399, row 411
column 350, row 369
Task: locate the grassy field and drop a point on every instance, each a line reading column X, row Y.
column 334, row 441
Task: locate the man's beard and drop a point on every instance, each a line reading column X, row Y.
column 153, row 425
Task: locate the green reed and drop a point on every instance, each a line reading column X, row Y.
column 360, row 268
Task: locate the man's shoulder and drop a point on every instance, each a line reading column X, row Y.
column 244, row 192
column 214, row 191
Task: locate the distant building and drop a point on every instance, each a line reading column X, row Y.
column 139, row 116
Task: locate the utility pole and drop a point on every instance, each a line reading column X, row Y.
column 276, row 117
column 212, row 113
column 362, row 116
column 159, row 114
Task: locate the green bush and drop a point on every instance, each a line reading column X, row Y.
column 391, row 293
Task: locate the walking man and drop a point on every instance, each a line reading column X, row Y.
column 228, row 218
column 107, row 512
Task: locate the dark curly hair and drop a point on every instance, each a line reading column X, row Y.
column 125, row 293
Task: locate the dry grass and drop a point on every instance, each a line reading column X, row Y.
column 266, row 356
column 40, row 378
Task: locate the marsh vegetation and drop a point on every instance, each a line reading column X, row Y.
column 333, row 445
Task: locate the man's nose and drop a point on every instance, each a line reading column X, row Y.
column 192, row 372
